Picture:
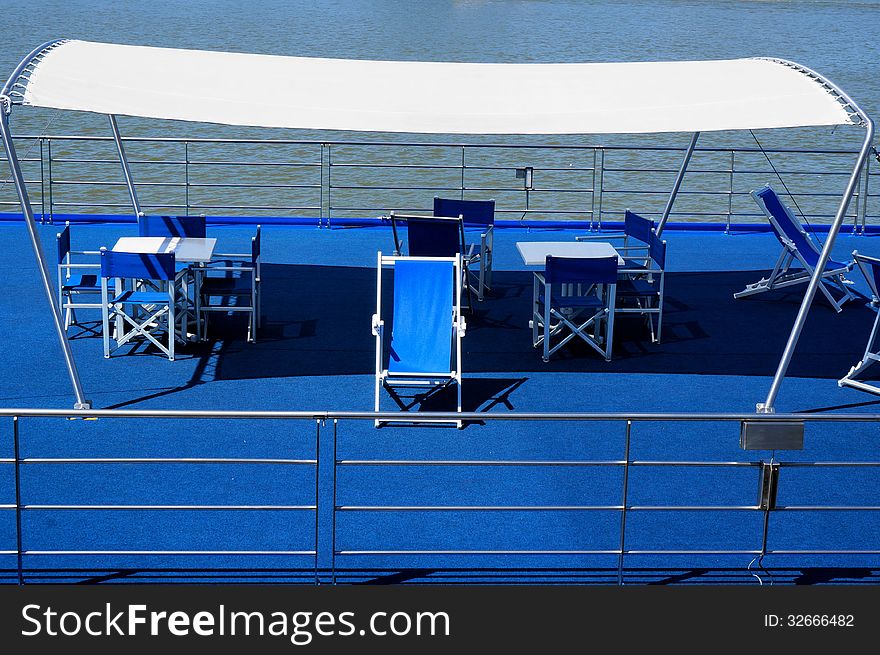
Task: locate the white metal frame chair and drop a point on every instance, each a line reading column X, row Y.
column 640, row 288
column 478, row 214
column 797, row 245
column 870, row 268
column 75, row 279
column 241, row 281
column 151, row 310
column 426, row 331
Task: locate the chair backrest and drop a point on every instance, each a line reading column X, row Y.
column 434, row 236
column 637, row 227
column 474, row 212
column 422, row 329
column 136, row 265
column 172, row 226
column 580, row 270
column 657, row 250
column 784, row 223
column 870, row 267
column 63, row 240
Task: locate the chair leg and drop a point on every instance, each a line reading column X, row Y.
column 609, row 326
column 105, row 321
column 547, row 291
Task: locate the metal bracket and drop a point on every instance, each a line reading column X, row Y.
column 771, row 435
column 6, row 104
column 768, row 486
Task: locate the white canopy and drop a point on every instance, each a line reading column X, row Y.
column 430, row 97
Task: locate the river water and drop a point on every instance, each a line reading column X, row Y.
column 839, row 39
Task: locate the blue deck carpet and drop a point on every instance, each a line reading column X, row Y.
column 315, row 352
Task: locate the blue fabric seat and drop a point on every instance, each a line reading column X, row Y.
column 582, row 293
column 87, row 282
column 797, row 248
column 424, row 350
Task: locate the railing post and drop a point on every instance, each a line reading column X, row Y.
column 325, row 503
column 333, row 514
column 866, row 194
column 329, row 182
column 317, row 497
column 42, row 184
column 624, row 504
column 186, row 176
column 461, row 196
column 321, row 184
column 49, row 168
column 730, row 190
column 601, row 184
column 593, row 194
column 18, row 535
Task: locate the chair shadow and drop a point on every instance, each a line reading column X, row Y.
column 317, row 322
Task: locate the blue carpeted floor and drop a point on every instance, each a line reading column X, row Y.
column 315, row 352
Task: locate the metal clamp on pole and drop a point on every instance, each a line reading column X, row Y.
column 769, row 485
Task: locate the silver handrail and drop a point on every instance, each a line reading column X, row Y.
column 326, row 558
column 292, row 178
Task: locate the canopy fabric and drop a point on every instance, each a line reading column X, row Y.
column 430, row 97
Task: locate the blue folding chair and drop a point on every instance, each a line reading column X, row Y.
column 193, row 227
column 640, row 286
column 424, row 351
column 239, row 284
column 478, row 214
column 870, row 268
column 433, row 236
column 74, row 278
column 636, row 235
column 796, row 246
column 135, row 310
column 580, row 295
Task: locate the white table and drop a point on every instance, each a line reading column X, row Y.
column 534, row 253
column 188, row 250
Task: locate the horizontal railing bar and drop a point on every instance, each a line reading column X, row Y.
column 514, row 462
column 477, row 552
column 476, row 508
column 159, row 460
column 464, row 416
column 832, row 508
column 826, row 464
column 431, row 144
column 202, row 185
column 170, row 507
column 458, row 188
column 543, row 508
column 168, row 552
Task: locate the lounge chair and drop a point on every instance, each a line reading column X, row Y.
column 870, row 267
column 797, row 245
column 424, row 351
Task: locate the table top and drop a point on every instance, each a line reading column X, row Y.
column 189, row 249
column 534, row 253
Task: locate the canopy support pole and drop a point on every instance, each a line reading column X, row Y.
column 677, row 185
column 28, row 214
column 126, row 171
column 767, row 407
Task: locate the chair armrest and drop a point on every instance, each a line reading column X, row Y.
column 79, row 265
column 591, row 237
column 243, row 269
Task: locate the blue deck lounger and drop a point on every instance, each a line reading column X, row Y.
column 870, row 267
column 796, row 245
column 426, row 329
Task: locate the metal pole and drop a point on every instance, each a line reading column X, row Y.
column 28, row 213
column 126, row 171
column 767, row 406
column 677, row 185
column 623, row 506
column 18, row 536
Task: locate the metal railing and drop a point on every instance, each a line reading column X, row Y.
column 327, row 550
column 327, row 180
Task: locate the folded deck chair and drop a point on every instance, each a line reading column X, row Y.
column 870, row 267
column 796, row 246
column 426, row 330
column 640, row 286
